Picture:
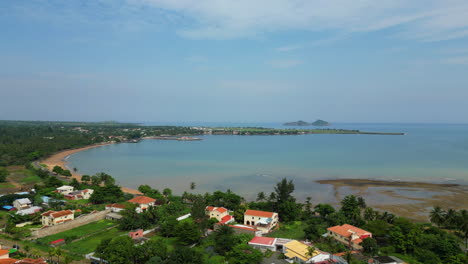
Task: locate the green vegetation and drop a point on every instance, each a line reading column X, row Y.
column 3, row 174
column 292, row 230
column 318, row 122
column 78, row 232
column 89, row 243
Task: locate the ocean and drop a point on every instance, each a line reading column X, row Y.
column 250, row 164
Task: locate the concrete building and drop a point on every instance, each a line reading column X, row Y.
column 51, row 218
column 349, row 235
column 263, row 243
column 143, row 203
column 65, row 189
column 216, row 212
column 21, row 204
column 263, row 221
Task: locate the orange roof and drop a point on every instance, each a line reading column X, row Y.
column 210, row 208
column 259, row 213
column 221, row 209
column 47, row 213
column 347, row 230
column 8, row 261
column 61, row 213
column 142, row 200
column 3, row 252
column 244, row 227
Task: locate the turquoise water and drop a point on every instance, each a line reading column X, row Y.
column 250, row 164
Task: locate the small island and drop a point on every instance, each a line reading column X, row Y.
column 317, row 122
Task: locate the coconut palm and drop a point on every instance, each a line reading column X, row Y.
column 437, row 216
column 450, row 219
column 192, row 186
column 311, row 251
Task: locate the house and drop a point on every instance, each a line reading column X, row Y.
column 29, row 211
column 216, row 212
column 143, row 203
column 349, row 235
column 263, row 243
column 80, row 194
column 296, row 251
column 65, row 189
column 51, row 218
column 23, row 203
column 387, row 260
column 263, row 221
column 115, row 208
column 227, row 219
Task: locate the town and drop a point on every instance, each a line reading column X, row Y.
column 64, row 220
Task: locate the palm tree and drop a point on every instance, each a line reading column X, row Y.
column 58, row 253
column 437, row 216
column 463, row 226
column 450, row 218
column 192, row 185
column 348, row 255
column 311, row 252
column 260, row 196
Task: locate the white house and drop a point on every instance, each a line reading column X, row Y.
column 23, row 203
column 263, row 221
column 79, row 195
column 65, row 189
column 115, row 208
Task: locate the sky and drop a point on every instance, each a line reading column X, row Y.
column 234, row 61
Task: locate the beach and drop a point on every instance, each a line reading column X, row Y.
column 60, row 159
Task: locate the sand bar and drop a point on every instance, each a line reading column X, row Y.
column 59, row 159
column 413, row 200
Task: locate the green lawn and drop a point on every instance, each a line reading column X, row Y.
column 31, row 179
column 293, row 230
column 90, row 243
column 6, row 185
column 78, row 232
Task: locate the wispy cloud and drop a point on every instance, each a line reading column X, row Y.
column 425, row 20
column 284, row 64
column 461, row 60
column 289, row 48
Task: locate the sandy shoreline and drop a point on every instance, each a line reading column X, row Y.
column 60, row 159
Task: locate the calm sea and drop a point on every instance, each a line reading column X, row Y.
column 250, row 164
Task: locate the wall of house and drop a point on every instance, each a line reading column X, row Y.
column 69, row 225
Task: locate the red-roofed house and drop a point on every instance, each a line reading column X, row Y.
column 263, row 243
column 51, row 218
column 216, row 212
column 263, row 221
column 143, row 202
column 227, row 219
column 4, row 254
column 349, row 235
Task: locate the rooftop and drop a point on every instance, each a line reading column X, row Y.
column 267, row 241
column 259, row 213
column 347, row 230
column 142, row 200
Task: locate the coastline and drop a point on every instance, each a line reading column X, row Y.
column 410, row 199
column 60, row 159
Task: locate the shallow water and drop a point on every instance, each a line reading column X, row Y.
column 250, row 164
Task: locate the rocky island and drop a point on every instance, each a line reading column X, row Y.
column 318, row 122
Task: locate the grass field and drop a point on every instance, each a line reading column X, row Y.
column 78, row 232
column 89, row 244
column 293, row 230
column 6, row 185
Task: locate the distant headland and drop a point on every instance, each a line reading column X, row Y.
column 317, row 122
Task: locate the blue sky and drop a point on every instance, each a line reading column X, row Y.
column 239, row 61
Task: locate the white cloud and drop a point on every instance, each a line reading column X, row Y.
column 462, row 60
column 284, row 64
column 426, row 20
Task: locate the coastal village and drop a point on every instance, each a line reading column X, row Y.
column 59, row 216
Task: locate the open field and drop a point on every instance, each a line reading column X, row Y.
column 78, row 232
column 293, row 230
column 89, row 244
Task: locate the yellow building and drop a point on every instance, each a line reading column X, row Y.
column 296, row 251
column 216, row 212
